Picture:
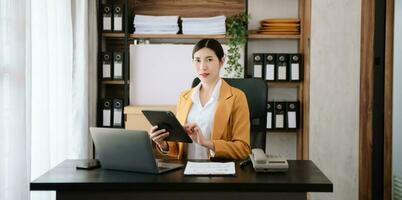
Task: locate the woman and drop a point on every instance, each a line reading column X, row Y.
column 214, row 114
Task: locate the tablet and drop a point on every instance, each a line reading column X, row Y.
column 167, row 120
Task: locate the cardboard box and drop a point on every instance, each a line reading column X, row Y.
column 135, row 120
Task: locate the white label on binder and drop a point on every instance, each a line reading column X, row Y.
column 107, row 23
column 269, row 120
column 292, row 119
column 106, row 71
column 279, row 121
column 117, row 117
column 118, row 25
column 282, row 73
column 295, row 71
column 257, row 71
column 118, row 70
column 270, row 72
column 106, row 117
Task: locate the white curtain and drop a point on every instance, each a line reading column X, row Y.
column 47, row 88
column 14, row 142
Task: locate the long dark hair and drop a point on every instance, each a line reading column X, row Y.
column 212, row 44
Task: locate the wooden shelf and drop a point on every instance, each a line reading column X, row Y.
column 113, row 35
column 175, row 36
column 114, row 82
column 284, row 130
column 277, row 84
column 254, row 35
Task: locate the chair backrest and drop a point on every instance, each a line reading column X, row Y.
column 256, row 92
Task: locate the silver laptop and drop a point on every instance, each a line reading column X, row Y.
column 127, row 150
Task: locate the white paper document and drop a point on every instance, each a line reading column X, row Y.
column 210, row 168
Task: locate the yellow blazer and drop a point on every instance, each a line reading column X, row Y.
column 231, row 127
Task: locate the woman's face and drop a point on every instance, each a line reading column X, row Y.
column 207, row 65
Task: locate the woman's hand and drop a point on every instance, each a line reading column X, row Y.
column 158, row 137
column 195, row 133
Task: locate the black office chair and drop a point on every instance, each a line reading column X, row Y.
column 257, row 94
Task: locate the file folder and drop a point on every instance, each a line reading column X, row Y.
column 258, row 60
column 281, row 67
column 279, row 115
column 292, row 112
column 106, row 113
column 295, row 67
column 107, row 17
column 270, row 67
column 107, row 65
column 270, row 111
column 118, row 18
column 117, row 113
column 118, row 65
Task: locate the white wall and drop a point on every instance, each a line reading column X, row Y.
column 334, row 94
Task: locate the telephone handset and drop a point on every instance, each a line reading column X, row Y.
column 268, row 163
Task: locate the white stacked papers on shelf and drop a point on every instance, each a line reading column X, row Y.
column 146, row 24
column 204, row 25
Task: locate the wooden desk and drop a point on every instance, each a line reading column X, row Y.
column 69, row 183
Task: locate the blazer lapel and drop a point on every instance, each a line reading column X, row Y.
column 185, row 107
column 223, row 110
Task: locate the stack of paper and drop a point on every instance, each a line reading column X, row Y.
column 145, row 24
column 204, row 25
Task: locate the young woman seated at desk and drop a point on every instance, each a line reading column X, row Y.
column 214, row 114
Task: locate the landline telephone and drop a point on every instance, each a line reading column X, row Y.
column 268, row 163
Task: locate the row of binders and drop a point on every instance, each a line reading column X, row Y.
column 112, row 113
column 283, row 115
column 112, row 18
column 277, row 66
column 112, row 65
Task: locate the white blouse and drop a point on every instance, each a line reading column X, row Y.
column 204, row 117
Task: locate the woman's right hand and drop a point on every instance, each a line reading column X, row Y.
column 158, row 137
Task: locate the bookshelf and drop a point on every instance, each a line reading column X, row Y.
column 120, row 41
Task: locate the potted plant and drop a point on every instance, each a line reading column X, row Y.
column 236, row 30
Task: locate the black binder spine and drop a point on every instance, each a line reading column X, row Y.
column 118, row 113
column 270, row 115
column 280, row 116
column 107, row 66
column 107, row 18
column 282, row 66
column 118, row 18
column 118, row 65
column 270, row 66
column 107, row 113
column 295, row 67
column 258, row 65
column 292, row 115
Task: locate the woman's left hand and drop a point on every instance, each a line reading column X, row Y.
column 195, row 133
